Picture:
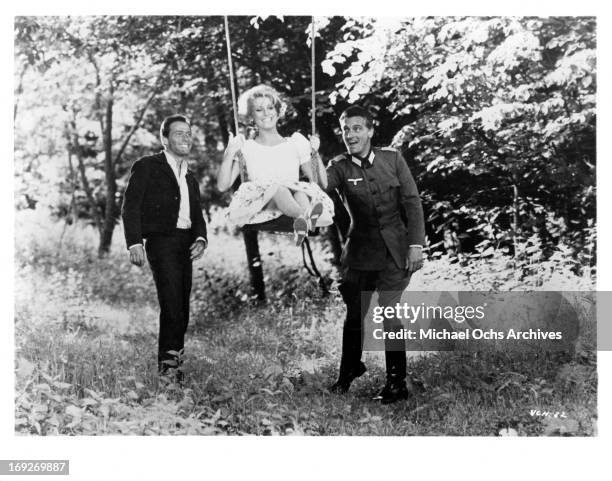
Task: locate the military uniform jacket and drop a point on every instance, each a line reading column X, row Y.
column 152, row 199
column 384, row 205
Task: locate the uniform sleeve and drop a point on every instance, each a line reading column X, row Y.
column 132, row 203
column 302, row 146
column 412, row 210
column 342, row 219
column 334, row 177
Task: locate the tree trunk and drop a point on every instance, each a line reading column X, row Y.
column 76, row 148
column 110, row 177
column 258, row 287
column 515, row 218
column 220, row 111
column 111, row 209
column 74, row 210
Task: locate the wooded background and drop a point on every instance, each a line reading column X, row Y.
column 496, row 119
column 495, row 116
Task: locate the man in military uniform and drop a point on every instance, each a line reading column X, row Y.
column 384, row 243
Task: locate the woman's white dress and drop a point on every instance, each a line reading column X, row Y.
column 268, row 168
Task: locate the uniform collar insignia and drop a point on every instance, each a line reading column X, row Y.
column 358, row 160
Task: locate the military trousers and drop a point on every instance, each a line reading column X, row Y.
column 357, row 287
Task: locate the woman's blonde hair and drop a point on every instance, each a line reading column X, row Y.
column 245, row 102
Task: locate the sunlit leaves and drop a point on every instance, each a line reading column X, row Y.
column 512, row 97
column 574, row 67
column 492, row 117
column 522, row 46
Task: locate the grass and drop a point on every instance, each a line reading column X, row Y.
column 86, row 334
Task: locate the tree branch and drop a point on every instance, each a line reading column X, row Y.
column 98, row 97
column 139, row 117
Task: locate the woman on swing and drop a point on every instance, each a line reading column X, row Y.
column 273, row 163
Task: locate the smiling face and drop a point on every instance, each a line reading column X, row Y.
column 357, row 135
column 179, row 139
column 264, row 113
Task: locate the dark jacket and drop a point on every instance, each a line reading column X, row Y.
column 384, row 205
column 152, row 199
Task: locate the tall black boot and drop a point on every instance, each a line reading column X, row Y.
column 395, row 388
column 351, row 366
column 395, row 362
column 393, row 391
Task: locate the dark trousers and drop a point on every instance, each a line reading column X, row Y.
column 389, row 283
column 170, row 262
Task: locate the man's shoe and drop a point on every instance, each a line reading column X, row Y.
column 342, row 385
column 392, row 392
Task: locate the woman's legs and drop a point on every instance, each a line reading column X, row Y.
column 302, row 199
column 288, row 205
column 311, row 210
column 284, row 201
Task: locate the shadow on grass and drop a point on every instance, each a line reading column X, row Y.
column 86, row 340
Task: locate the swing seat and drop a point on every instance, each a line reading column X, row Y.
column 280, row 225
column 284, row 223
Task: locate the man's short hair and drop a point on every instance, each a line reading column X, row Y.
column 359, row 111
column 164, row 130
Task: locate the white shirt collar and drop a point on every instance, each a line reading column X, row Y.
column 173, row 161
column 179, row 166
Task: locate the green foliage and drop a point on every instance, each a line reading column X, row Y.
column 72, row 68
column 86, row 336
column 80, row 98
column 496, row 114
column 497, row 119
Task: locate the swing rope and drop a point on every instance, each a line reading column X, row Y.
column 312, row 78
column 315, row 158
column 231, row 74
column 241, row 161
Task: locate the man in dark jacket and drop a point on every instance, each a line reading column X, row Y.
column 384, row 245
column 161, row 210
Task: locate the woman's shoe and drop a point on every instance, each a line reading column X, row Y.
column 300, row 230
column 315, row 213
